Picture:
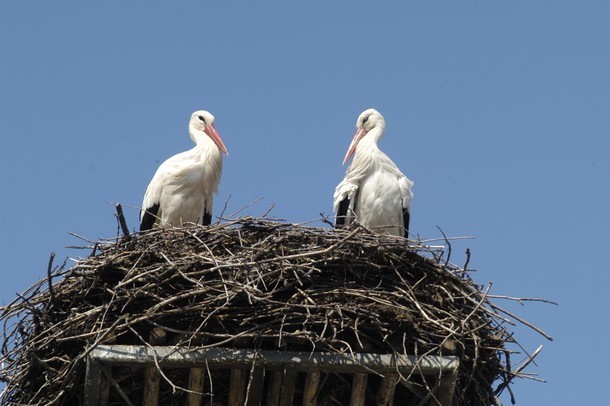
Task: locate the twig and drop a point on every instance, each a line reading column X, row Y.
column 94, row 250
column 50, row 277
column 523, row 299
column 506, row 383
column 246, row 206
column 522, row 321
column 81, row 237
column 122, row 222
column 265, row 214
column 448, row 245
column 467, row 260
column 224, row 207
column 325, row 219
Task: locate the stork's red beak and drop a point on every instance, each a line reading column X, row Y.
column 352, row 147
column 210, row 130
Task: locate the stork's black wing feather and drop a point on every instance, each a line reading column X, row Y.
column 406, row 216
column 341, row 214
column 149, row 217
column 207, row 218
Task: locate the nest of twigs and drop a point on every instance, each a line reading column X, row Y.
column 252, row 283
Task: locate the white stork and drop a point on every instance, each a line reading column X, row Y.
column 374, row 191
column 182, row 190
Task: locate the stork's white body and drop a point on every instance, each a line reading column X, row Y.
column 182, row 190
column 374, row 191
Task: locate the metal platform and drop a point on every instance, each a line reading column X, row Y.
column 248, row 369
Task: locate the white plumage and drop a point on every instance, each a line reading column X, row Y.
column 182, row 190
column 374, row 192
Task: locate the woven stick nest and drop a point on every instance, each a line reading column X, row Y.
column 252, row 283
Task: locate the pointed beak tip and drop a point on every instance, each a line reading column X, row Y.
column 213, row 134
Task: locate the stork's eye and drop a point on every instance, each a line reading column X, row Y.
column 202, row 119
column 365, row 119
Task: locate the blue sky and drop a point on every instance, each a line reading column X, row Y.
column 498, row 110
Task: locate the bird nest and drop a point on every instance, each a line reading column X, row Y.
column 258, row 284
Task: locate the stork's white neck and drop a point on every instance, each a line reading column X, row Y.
column 209, row 153
column 371, row 139
column 202, row 140
column 368, row 156
column 210, row 156
column 197, row 135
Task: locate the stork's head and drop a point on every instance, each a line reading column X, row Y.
column 368, row 121
column 203, row 121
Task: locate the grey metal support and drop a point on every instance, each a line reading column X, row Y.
column 310, row 390
column 237, row 387
column 272, row 360
column 254, row 393
column 288, row 385
column 93, row 379
column 359, row 382
column 446, row 388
